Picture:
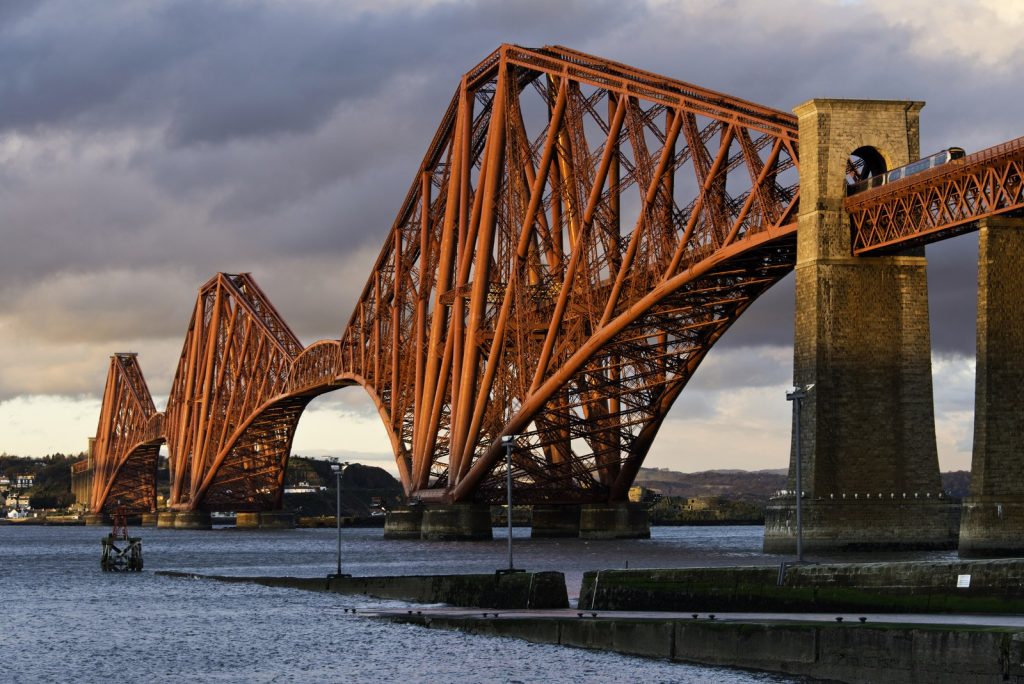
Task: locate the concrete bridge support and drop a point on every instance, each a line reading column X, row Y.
column 619, row 520
column 403, row 522
column 993, row 514
column 870, row 464
column 264, row 520
column 165, row 519
column 457, row 522
column 555, row 520
column 192, row 520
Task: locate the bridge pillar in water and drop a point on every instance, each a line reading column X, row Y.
column 403, row 522
column 552, row 520
column 165, row 519
column 192, row 520
column 617, row 520
column 247, row 520
column 867, row 443
column 149, row 519
column 277, row 520
column 457, row 522
column 993, row 514
column 98, row 519
column 264, row 520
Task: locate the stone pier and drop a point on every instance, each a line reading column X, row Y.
column 98, row 519
column 403, row 522
column 247, row 520
column 619, row 520
column 277, row 520
column 552, row 520
column 993, row 514
column 457, row 522
column 165, row 519
column 148, row 519
column 192, row 520
column 867, row 443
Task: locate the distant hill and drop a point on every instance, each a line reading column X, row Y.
column 754, row 486
column 360, row 485
column 751, row 486
column 957, row 483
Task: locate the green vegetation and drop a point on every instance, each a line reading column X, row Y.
column 51, row 487
column 364, row 489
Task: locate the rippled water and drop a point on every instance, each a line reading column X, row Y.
column 65, row 620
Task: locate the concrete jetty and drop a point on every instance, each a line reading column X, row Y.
column 958, row 622
column 882, row 648
column 982, row 586
column 493, row 590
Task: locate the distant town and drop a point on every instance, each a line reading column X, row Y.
column 40, row 490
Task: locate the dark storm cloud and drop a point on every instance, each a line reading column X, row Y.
column 856, row 52
column 146, row 145
column 227, row 70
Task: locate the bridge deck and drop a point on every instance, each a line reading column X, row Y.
column 939, row 203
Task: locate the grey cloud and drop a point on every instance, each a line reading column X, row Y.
column 279, row 138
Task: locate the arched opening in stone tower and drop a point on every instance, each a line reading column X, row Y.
column 864, row 163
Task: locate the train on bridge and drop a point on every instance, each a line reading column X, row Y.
column 930, row 162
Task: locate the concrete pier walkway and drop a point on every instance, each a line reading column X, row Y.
column 958, row 649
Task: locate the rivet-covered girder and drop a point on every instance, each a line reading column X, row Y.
column 235, row 362
column 943, row 202
column 578, row 235
column 128, row 439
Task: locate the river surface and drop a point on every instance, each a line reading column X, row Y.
column 63, row 619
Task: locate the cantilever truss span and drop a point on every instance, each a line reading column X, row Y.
column 229, row 429
column 128, row 440
column 577, row 237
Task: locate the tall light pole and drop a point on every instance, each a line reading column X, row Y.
column 509, row 441
column 339, row 469
column 797, row 395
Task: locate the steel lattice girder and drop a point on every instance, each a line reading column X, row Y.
column 128, row 439
column 939, row 203
column 578, row 236
column 234, row 365
column 534, row 281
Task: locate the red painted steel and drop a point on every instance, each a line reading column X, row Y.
column 578, row 236
column 939, row 203
column 128, row 440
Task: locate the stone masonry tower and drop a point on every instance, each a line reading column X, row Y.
column 869, row 460
column 993, row 515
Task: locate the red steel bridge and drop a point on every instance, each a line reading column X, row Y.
column 578, row 236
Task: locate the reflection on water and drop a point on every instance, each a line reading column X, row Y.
column 63, row 618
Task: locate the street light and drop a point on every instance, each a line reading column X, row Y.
column 797, row 395
column 510, row 442
column 339, row 469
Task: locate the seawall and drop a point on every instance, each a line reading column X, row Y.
column 847, row 652
column 542, row 590
column 991, row 586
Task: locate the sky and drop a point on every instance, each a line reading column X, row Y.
column 147, row 144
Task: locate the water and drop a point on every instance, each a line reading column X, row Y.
column 63, row 618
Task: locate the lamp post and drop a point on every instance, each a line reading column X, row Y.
column 509, row 441
column 339, row 469
column 797, row 395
